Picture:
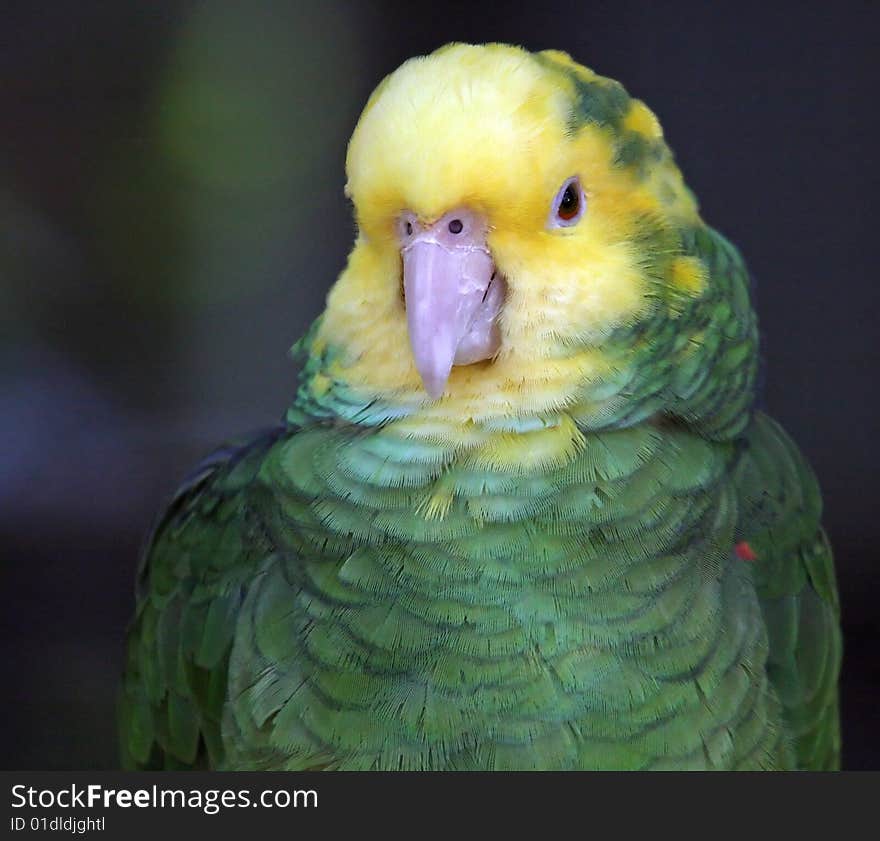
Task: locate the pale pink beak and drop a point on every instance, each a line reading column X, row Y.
column 453, row 295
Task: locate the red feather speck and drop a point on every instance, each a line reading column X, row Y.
column 744, row 551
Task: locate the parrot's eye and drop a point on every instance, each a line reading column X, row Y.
column 569, row 204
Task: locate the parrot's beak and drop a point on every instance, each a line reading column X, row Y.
column 453, row 296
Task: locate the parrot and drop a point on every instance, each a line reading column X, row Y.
column 523, row 512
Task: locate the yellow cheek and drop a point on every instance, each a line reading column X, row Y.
column 366, row 320
column 568, row 287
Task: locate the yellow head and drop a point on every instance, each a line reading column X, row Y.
column 499, row 133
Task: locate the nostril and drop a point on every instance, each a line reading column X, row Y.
column 409, row 229
column 455, row 226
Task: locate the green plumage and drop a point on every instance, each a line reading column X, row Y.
column 296, row 615
column 342, row 593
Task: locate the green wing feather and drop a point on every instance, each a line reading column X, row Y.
column 780, row 508
column 779, row 517
column 198, row 563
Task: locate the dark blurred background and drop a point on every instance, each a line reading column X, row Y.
column 171, row 217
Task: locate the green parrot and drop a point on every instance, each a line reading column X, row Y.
column 522, row 512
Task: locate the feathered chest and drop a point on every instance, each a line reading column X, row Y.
column 435, row 611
